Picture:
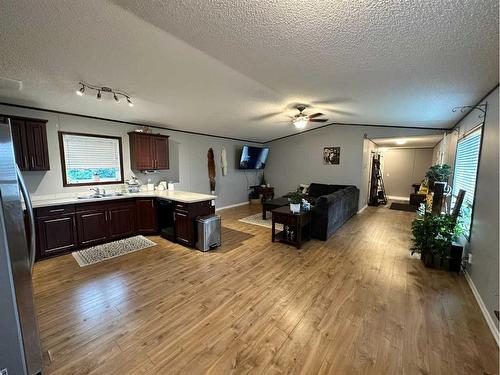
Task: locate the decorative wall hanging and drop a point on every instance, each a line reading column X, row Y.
column 116, row 93
column 331, row 155
column 223, row 161
column 211, row 170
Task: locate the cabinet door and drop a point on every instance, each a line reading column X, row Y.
column 56, row 234
column 183, row 228
column 147, row 217
column 38, row 154
column 161, row 152
column 121, row 221
column 92, row 227
column 20, row 145
column 142, row 152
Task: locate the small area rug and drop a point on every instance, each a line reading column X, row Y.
column 257, row 220
column 110, row 250
column 403, row 207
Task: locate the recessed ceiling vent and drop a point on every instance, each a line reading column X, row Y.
column 10, row 84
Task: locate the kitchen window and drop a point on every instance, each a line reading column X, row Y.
column 464, row 176
column 89, row 159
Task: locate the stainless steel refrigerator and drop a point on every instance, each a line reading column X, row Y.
column 20, row 351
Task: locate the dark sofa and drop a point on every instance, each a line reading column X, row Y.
column 333, row 206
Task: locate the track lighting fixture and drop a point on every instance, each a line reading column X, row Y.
column 104, row 89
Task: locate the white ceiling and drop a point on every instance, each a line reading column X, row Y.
column 221, row 67
column 422, row 141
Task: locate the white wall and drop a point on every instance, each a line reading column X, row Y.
column 188, row 158
column 403, row 167
column 299, row 159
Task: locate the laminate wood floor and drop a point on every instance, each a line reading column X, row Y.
column 356, row 304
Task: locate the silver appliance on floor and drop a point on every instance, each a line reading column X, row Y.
column 208, row 232
column 20, row 351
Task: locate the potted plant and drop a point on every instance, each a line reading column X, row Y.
column 432, row 238
column 295, row 201
column 437, row 173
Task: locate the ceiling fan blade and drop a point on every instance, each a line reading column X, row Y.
column 319, row 120
column 315, row 115
column 265, row 116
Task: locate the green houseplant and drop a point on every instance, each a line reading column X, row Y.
column 295, row 201
column 432, row 238
column 437, row 173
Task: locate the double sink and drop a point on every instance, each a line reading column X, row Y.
column 98, row 194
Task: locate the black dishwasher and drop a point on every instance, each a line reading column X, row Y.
column 166, row 219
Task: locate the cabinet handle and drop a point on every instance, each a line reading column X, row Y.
column 26, row 162
column 57, row 210
column 32, row 161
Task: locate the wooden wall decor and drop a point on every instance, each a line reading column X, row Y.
column 211, row 169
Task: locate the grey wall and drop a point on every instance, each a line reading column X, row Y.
column 188, row 158
column 403, row 167
column 299, row 159
column 484, row 245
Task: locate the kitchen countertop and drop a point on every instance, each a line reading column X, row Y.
column 178, row 196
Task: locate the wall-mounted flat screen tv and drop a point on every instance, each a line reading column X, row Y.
column 253, row 157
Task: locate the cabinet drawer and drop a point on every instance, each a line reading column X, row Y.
column 181, row 206
column 55, row 210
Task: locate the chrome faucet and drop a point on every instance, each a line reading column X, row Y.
column 96, row 191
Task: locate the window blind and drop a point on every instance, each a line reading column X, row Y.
column 466, row 163
column 464, row 176
column 89, row 157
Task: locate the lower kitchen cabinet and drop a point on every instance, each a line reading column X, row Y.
column 56, row 234
column 121, row 220
column 147, row 216
column 65, row 228
column 92, row 228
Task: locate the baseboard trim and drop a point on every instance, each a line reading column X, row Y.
column 396, row 198
column 362, row 208
column 484, row 310
column 231, row 206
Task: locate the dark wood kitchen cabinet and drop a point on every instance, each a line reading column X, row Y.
column 121, row 220
column 91, row 224
column 147, row 216
column 148, row 151
column 185, row 220
column 101, row 222
column 56, row 230
column 29, row 137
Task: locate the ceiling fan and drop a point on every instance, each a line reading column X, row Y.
column 300, row 120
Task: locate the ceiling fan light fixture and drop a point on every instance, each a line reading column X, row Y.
column 300, row 122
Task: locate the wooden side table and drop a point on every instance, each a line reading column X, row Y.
column 264, row 191
column 299, row 226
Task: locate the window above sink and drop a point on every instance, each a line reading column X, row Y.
column 89, row 159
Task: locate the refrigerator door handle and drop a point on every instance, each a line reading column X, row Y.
column 31, row 217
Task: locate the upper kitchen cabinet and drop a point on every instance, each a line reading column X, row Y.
column 29, row 137
column 148, row 151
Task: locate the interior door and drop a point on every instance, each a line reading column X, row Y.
column 161, row 152
column 36, row 136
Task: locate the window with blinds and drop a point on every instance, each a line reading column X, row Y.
column 464, row 175
column 90, row 159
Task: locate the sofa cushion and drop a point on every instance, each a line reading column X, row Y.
column 317, row 190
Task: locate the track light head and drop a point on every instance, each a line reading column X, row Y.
column 130, row 104
column 116, row 97
column 99, row 95
column 80, row 92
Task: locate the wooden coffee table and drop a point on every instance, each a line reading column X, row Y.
column 273, row 204
column 296, row 227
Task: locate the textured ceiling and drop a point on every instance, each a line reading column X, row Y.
column 223, row 67
column 423, row 141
